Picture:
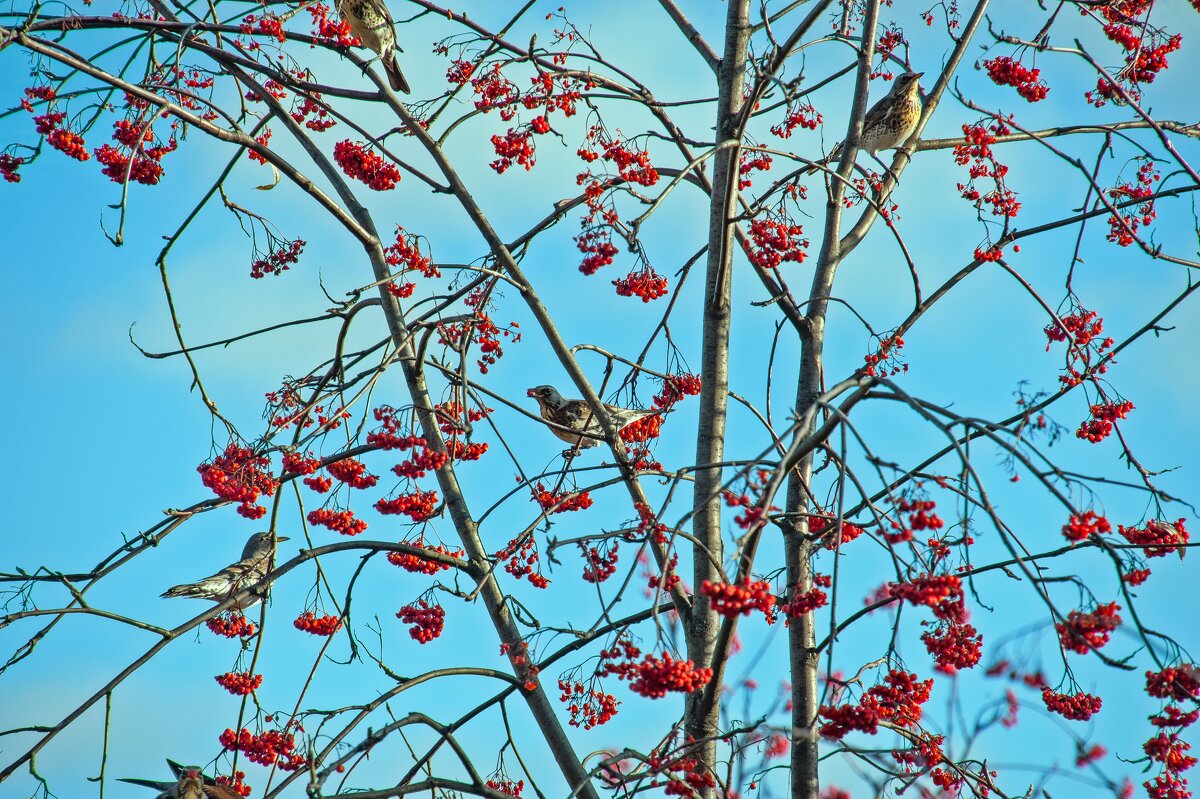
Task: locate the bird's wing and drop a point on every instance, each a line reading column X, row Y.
column 178, row 770
column 221, row 792
column 166, row 790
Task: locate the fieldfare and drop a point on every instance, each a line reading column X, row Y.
column 576, row 414
column 241, row 579
column 190, row 783
column 371, row 22
column 889, row 122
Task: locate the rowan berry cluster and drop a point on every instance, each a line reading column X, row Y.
column 829, row 530
column 9, row 164
column 662, row 582
column 977, row 154
column 231, row 624
column 641, row 430
column 427, row 620
column 239, row 683
column 506, row 786
column 1081, row 329
column 644, row 283
column 267, row 24
column 405, row 252
column 749, row 162
column 773, row 240
column 1177, row 683
column 134, row 160
column 802, row 115
column 942, row 593
column 954, row 646
column 1145, row 47
column 898, row 699
column 366, row 166
column 588, row 707
column 1157, row 538
column 740, row 598
column 684, row 775
column 600, row 563
column 235, row 782
column 419, row 506
column 1124, row 223
column 1090, row 755
column 352, row 472
column 415, row 564
column 309, row 622
column 514, row 147
column 1100, row 426
column 1076, row 707
column 330, row 31
column 885, row 361
column 804, row 602
column 522, row 556
column 1082, row 632
column 270, row 748
column 561, row 502
column 1085, row 525
column 343, row 522
column 279, row 260
column 239, row 475
column 1004, row 71
column 675, row 388
column 596, row 244
column 651, row 676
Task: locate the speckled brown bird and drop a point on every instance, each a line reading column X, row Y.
column 576, row 414
column 236, row 578
column 372, row 23
column 889, row 122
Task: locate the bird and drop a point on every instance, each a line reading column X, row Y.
column 889, row 122
column 189, row 783
column 237, row 577
column 576, row 414
column 372, row 23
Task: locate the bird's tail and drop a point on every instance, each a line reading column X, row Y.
column 188, row 590
column 394, row 75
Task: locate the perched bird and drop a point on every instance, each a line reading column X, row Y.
column 371, row 22
column 576, row 414
column 189, row 783
column 237, row 577
column 889, row 122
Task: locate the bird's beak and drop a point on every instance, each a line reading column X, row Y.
column 530, row 392
column 918, row 74
column 282, row 538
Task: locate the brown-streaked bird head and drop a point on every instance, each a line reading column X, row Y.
column 907, row 82
column 260, row 544
column 545, row 395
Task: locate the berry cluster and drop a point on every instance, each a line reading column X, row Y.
column 279, row 260
column 885, row 361
column 942, row 593
column 1177, row 683
column 898, row 699
column 340, row 521
column 231, row 624
column 362, row 164
column 596, row 244
column 514, row 147
column 652, row 676
column 802, row 115
column 1125, row 222
column 9, row 164
column 1076, row 707
column 239, row 683
column 600, row 562
column 405, row 252
column 675, row 388
column 270, row 748
column 415, row 564
column 588, row 707
column 236, row 782
column 1004, row 71
column 1082, row 632
column 239, row 475
column 1100, row 426
column 312, row 624
column 420, row 506
column 506, row 786
column 748, row 162
column 732, row 599
column 1085, row 525
column 352, row 472
column 775, row 240
column 427, row 620
column 977, row 155
column 829, row 529
column 328, row 30
column 1081, row 329
column 803, row 602
column 1158, row 538
column 644, row 283
column 954, row 646
column 561, row 503
column 522, row 556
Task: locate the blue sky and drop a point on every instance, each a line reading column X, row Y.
column 102, row 439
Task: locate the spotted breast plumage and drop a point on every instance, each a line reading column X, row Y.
column 372, row 23
column 576, row 415
column 239, row 579
column 889, row 122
